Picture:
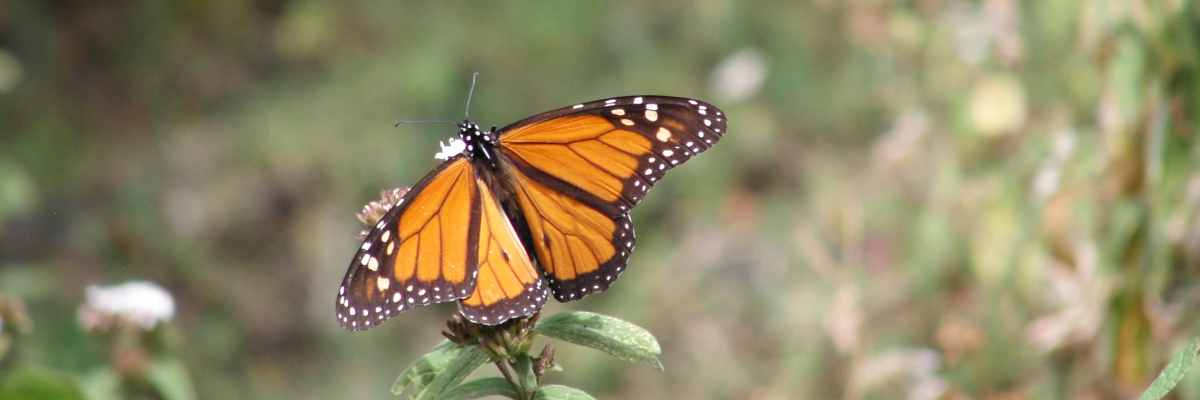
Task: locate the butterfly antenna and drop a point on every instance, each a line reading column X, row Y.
column 466, row 112
column 422, row 121
column 471, row 92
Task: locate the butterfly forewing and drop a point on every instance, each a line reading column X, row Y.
column 615, row 149
column 580, row 169
column 422, row 251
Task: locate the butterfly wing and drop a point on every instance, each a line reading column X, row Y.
column 577, row 172
column 422, row 251
column 581, row 247
column 507, row 285
column 615, row 149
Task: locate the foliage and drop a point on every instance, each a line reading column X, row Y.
column 39, row 385
column 1173, row 373
column 438, row 374
column 620, row 339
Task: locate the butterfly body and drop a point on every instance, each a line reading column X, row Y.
column 537, row 208
column 480, row 144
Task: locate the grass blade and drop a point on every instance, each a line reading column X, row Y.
column 1173, row 373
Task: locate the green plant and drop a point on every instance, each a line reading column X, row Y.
column 1174, row 372
column 440, row 373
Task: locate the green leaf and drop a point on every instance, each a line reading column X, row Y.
column 1127, row 73
column 101, row 384
column 524, row 368
column 616, row 337
column 465, row 361
column 560, row 392
column 422, row 371
column 29, row 384
column 171, row 379
column 1173, row 373
column 481, row 388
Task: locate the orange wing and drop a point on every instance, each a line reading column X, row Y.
column 615, row 150
column 507, row 285
column 577, row 172
column 421, row 252
column 581, row 249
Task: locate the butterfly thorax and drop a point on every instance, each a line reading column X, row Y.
column 480, row 143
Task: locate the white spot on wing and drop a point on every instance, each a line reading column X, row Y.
column 663, row 135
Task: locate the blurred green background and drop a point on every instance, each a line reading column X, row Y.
column 923, row 199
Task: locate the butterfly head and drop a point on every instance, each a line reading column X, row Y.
column 479, row 142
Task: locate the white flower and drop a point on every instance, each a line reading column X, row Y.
column 1046, row 181
column 740, row 76
column 455, row 147
column 143, row 303
column 1081, row 297
column 997, row 105
column 913, row 370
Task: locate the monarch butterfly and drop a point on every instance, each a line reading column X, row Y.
column 538, row 207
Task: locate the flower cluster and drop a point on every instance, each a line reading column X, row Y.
column 140, row 303
column 375, row 210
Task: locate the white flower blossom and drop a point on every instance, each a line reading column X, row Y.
column 143, row 303
column 451, row 149
column 740, row 76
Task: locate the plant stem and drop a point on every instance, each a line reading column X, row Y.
column 511, row 376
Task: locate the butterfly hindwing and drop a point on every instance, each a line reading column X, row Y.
column 507, row 285
column 422, row 251
column 581, row 248
column 578, row 171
